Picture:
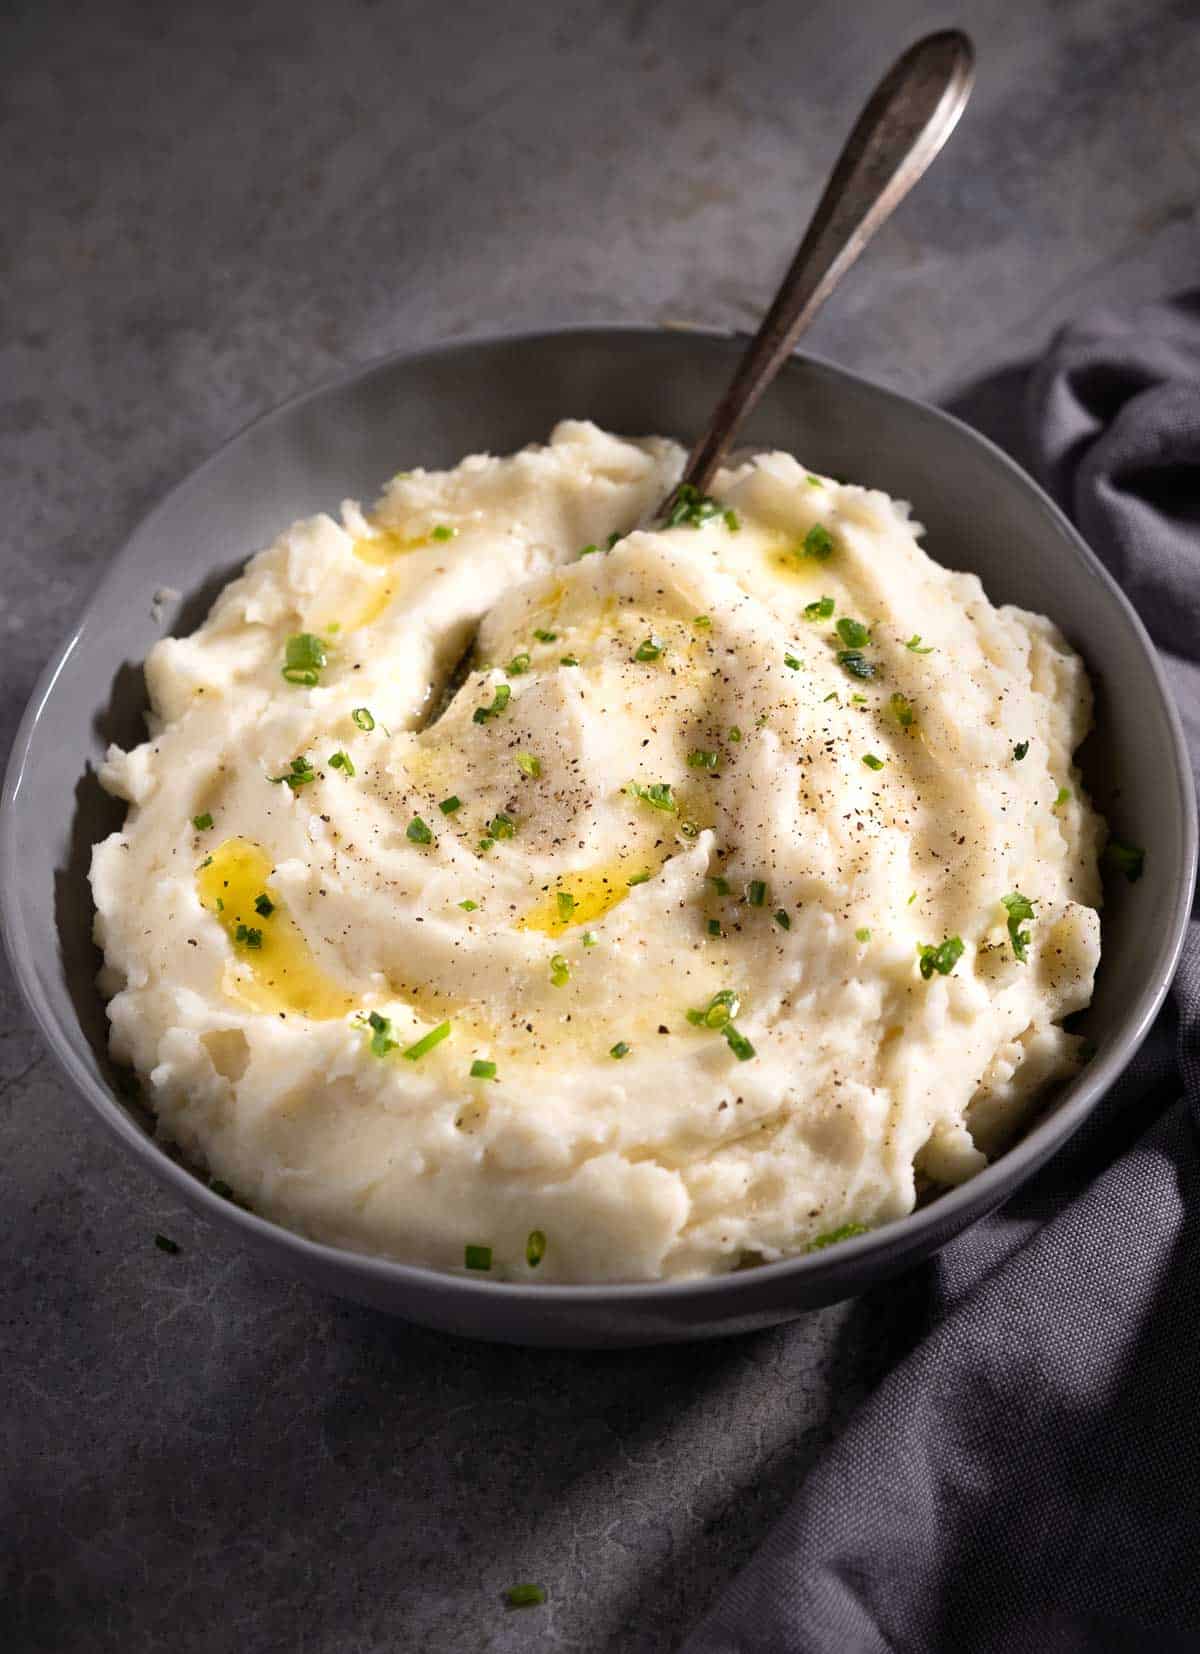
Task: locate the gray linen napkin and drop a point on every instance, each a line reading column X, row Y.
column 1028, row 1479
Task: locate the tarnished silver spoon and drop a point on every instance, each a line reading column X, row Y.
column 906, row 121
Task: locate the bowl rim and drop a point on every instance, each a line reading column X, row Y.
column 980, row 1193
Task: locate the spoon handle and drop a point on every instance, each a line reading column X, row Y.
column 910, row 115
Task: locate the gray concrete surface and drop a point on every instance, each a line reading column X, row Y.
column 206, row 208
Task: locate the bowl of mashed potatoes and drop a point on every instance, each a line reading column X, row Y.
column 556, row 922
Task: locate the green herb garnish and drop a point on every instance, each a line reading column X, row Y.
column 862, row 934
column 1063, row 796
column 381, row 1034
column 691, row 506
column 713, row 927
column 703, row 622
column 637, row 878
column 822, row 609
column 303, row 657
column 448, row 805
column 1019, row 908
column 301, row 774
column 853, row 633
column 569, row 660
column 560, row 971
column 1019, row 751
column 941, row 958
column 248, row 934
column 756, row 892
column 735, row 733
column 782, row 918
column 426, row 1043
column 544, row 636
column 529, row 765
column 738, row 1043
column 818, row 542
column 856, row 663
column 501, row 698
column 524, row 1596
column 701, row 759
column 468, row 906
column 264, row 906
column 202, row 823
column 363, row 718
column 732, row 521
column 793, row 663
column 418, row 831
column 721, row 1008
column 658, row 795
column 566, row 904
column 502, row 826
column 914, row 645
column 872, row 762
column 1125, row 858
column 482, row 1070
column 535, row 1249
column 342, row 761
column 477, row 1257
column 650, row 648
column 846, row 1232
column 902, row 710
column 619, row 1050
column 518, row 665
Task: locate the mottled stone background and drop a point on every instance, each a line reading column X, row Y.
column 204, row 209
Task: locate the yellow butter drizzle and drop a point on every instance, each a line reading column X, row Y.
column 596, row 891
column 281, row 974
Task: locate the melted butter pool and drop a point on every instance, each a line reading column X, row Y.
column 278, row 972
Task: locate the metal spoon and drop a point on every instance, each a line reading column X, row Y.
column 908, row 118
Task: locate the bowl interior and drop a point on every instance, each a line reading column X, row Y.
column 979, row 511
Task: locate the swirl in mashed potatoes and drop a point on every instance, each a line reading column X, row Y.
column 507, row 886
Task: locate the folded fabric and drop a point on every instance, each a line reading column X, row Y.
column 1028, row 1479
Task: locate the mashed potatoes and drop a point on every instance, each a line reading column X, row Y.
column 508, row 887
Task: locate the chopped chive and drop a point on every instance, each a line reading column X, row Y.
column 858, row 700
column 426, row 1043
column 342, row 761
column 832, row 696
column 1019, row 751
column 566, row 904
column 502, row 826
column 862, row 935
column 719, row 883
column 833, row 1236
column 721, row 1008
column 569, row 660
column 691, row 506
column 589, row 551
column 166, row 1244
column 500, row 699
column 207, row 862
column 649, row 648
column 202, row 823
column 872, row 762
column 543, row 636
column 264, row 906
column 448, row 805
column 443, row 531
column 702, row 621
column 484, row 845
column 700, row 759
column 589, row 938
column 619, row 1050
column 524, row 1596
column 303, row 657
column 481, row 1070
column 381, row 1034
column 814, row 482
column 713, row 927
column 560, row 971
column 612, row 539
column 688, row 828
column 468, row 906
column 1125, row 858
column 418, row 831
column 529, row 765
column 856, row 663
column 822, row 609
column 782, row 918
column 738, row 1043
column 637, row 878
column 249, row 934
column 658, row 795
column 853, row 633
column 535, row 1248
column 301, row 774
column 735, row 733
column 902, row 710
column 363, row 718
column 941, row 958
column 732, row 521
column 818, row 542
column 914, row 645
column 477, row 1257
column 1064, row 794
column 911, row 899
column 518, row 665
column 1019, row 909
column 756, row 892
column 793, row 662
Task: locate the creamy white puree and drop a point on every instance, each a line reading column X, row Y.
column 681, row 1157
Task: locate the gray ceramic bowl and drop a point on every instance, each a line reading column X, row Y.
column 981, row 513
